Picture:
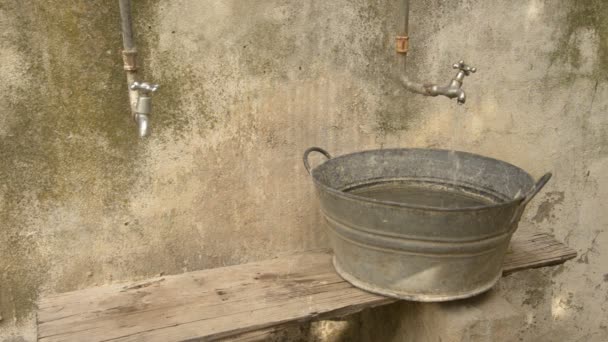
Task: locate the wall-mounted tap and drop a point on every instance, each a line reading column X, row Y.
column 144, row 105
column 454, row 89
column 140, row 101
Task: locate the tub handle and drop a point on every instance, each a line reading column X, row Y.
column 539, row 185
column 314, row 149
column 542, row 181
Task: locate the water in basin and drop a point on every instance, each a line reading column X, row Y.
column 420, row 195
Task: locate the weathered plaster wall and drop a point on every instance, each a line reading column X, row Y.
column 246, row 87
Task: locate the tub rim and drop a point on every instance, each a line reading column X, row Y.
column 523, row 198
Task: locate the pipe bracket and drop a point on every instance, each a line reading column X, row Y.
column 129, row 60
column 402, row 44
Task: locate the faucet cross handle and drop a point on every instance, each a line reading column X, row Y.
column 466, row 69
column 144, row 86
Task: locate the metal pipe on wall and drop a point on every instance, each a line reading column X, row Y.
column 405, row 17
column 402, row 48
column 129, row 52
column 127, row 31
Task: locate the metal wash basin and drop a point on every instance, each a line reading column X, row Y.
column 421, row 224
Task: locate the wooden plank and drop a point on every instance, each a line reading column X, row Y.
column 535, row 250
column 242, row 302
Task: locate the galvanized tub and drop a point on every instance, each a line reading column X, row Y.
column 421, row 252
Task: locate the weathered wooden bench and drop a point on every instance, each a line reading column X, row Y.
column 240, row 302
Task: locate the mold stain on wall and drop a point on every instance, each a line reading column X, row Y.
column 68, row 136
column 583, row 15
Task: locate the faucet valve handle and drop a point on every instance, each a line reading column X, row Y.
column 145, row 87
column 466, row 69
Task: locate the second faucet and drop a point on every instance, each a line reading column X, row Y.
column 144, row 105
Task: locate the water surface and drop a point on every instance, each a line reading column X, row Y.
column 420, row 195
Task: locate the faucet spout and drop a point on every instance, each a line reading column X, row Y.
column 142, row 124
column 453, row 90
column 462, row 97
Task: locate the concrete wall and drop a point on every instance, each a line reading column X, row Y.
column 246, row 87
